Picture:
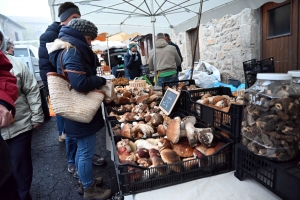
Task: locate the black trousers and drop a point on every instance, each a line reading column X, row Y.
column 20, row 150
column 9, row 190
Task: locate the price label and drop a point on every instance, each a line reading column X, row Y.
column 254, row 99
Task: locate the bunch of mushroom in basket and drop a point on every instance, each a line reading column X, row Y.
column 180, row 146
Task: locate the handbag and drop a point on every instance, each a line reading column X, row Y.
column 69, row 103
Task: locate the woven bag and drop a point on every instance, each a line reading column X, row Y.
column 69, row 103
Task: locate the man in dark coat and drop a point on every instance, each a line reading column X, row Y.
column 168, row 40
column 132, row 62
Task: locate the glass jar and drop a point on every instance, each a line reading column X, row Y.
column 295, row 79
column 271, row 118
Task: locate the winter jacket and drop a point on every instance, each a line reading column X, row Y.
column 179, row 68
column 131, row 65
column 28, row 105
column 45, row 65
column 8, row 95
column 78, row 52
column 167, row 57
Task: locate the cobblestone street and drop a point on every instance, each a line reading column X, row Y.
column 51, row 179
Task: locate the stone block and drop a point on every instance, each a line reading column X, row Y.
column 221, row 56
column 227, row 47
column 211, row 41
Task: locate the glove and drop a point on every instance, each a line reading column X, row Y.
column 103, row 80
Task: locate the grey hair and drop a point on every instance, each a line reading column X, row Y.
column 160, row 36
column 9, row 43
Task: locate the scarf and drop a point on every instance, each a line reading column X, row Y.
column 78, row 40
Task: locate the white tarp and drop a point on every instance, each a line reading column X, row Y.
column 102, row 46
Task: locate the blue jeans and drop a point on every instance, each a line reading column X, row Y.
column 174, row 77
column 114, row 70
column 71, row 147
column 60, row 124
column 84, row 157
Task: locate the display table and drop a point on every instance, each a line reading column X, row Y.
column 109, row 77
column 224, row 186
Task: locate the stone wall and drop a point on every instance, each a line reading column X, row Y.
column 11, row 29
column 226, row 43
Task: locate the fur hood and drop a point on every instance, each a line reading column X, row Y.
column 57, row 45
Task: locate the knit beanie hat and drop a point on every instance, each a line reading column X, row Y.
column 131, row 45
column 85, row 27
column 67, row 13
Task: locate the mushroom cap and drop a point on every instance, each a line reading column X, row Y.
column 210, row 151
column 205, row 136
column 186, row 119
column 142, row 99
column 123, row 100
column 173, row 131
column 198, row 154
column 189, row 163
column 125, row 131
column 201, row 148
column 219, row 145
column 164, row 143
column 143, row 153
column 154, row 153
column 145, row 162
column 183, row 148
column 170, row 157
column 205, row 96
column 157, row 119
column 148, row 118
column 161, row 130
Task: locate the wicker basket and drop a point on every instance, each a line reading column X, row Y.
column 70, row 103
column 137, row 83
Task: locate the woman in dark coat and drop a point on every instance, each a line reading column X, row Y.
column 132, row 62
column 76, row 39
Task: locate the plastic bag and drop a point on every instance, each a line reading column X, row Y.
column 110, row 93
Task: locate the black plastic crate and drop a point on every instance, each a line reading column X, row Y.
column 251, row 65
column 140, row 179
column 266, row 65
column 282, row 178
column 181, row 103
column 230, row 121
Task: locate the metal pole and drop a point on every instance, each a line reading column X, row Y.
column 153, row 42
column 197, row 36
column 108, row 52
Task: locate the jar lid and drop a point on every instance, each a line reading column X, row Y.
column 274, row 76
column 295, row 73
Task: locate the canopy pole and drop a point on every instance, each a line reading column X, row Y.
column 153, row 42
column 197, row 36
column 108, row 52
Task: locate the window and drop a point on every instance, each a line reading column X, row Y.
column 16, row 36
column 279, row 21
column 193, row 37
column 21, row 52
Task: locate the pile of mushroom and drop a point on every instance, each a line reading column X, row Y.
column 220, row 102
column 181, row 146
column 270, row 126
column 126, row 95
column 182, row 86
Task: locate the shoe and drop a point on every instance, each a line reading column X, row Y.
column 94, row 192
column 75, row 174
column 72, row 169
column 63, row 136
column 97, row 160
column 97, row 180
column 60, row 139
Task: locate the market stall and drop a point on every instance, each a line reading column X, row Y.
column 198, row 138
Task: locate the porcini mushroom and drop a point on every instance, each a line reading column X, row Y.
column 170, row 157
column 173, row 130
column 205, row 136
column 191, row 134
column 186, row 119
column 183, row 148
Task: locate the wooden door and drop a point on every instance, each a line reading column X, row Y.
column 280, row 34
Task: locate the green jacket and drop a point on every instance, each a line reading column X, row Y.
column 28, row 105
column 167, row 57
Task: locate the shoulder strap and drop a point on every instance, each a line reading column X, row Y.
column 63, row 70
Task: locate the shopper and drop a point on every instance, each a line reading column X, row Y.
column 168, row 40
column 8, row 95
column 167, row 60
column 66, row 12
column 29, row 115
column 9, row 47
column 114, row 63
column 132, row 62
column 73, row 48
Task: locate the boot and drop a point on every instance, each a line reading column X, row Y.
column 97, row 180
column 94, row 192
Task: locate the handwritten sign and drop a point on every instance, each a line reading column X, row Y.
column 169, row 100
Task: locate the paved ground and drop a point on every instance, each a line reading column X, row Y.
column 51, row 179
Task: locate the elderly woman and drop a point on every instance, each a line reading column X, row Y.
column 76, row 38
column 29, row 115
column 132, row 62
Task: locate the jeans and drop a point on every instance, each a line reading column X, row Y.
column 60, row 124
column 20, row 149
column 71, row 147
column 114, row 70
column 174, row 77
column 84, row 157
